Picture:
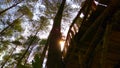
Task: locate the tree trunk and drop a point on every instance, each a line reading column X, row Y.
column 26, row 59
column 12, row 24
column 23, row 56
column 33, row 39
column 9, row 8
column 11, row 53
column 54, row 59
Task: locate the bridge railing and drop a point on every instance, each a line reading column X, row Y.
column 82, row 16
column 71, row 33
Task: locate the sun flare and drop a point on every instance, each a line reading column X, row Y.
column 61, row 42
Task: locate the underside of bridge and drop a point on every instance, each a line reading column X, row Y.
column 96, row 44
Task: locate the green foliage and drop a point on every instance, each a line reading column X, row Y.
column 4, row 45
column 5, row 57
column 36, row 63
column 21, row 37
column 17, row 25
column 22, row 66
column 26, row 11
column 2, row 48
column 43, row 42
column 8, row 32
column 6, row 42
column 33, row 39
column 43, row 23
column 16, row 42
column 8, row 1
column 16, row 56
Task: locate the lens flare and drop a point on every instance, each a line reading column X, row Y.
column 61, row 42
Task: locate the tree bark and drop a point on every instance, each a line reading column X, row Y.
column 54, row 59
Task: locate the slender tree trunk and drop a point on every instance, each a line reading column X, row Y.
column 28, row 56
column 23, row 56
column 9, row 7
column 44, row 52
column 54, row 59
column 9, row 26
column 11, row 53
